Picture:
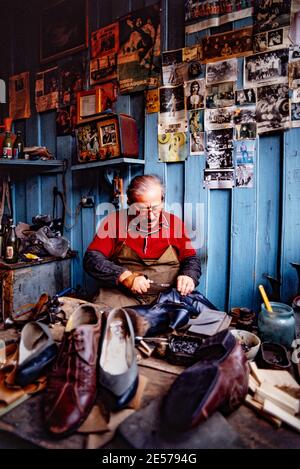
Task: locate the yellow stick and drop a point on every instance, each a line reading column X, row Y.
column 265, row 298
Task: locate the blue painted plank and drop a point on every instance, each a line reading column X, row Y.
column 48, row 131
column 290, row 247
column 218, row 238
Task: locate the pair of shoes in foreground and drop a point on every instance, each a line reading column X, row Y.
column 97, row 349
column 218, row 381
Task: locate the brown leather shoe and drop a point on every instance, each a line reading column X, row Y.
column 72, row 384
column 218, row 381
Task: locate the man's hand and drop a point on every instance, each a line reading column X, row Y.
column 140, row 285
column 185, row 284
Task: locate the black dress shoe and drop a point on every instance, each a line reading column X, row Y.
column 195, row 299
column 164, row 316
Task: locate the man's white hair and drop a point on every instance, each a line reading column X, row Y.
column 141, row 184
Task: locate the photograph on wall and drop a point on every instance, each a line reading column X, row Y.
column 46, row 90
column 221, row 179
column 197, row 144
column 172, row 147
column 294, row 53
column 174, row 70
column 219, row 72
column 139, row 54
column 244, row 176
column 72, row 79
column 244, row 115
column 220, row 118
column 205, row 14
column 105, row 41
column 193, row 56
column 220, row 95
column 103, row 69
column 234, row 43
column 270, row 40
column 244, row 151
column 219, row 147
column 172, row 116
column 295, row 114
column 245, row 97
column 246, row 130
column 295, row 98
column 152, row 101
column 266, row 67
column 196, row 121
column 19, row 96
column 272, row 109
column 294, row 74
column 271, row 14
column 194, row 94
column 66, row 120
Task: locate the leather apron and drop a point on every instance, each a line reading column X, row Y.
column 163, row 272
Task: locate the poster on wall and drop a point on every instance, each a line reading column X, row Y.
column 219, row 72
column 172, row 116
column 139, row 54
column 219, row 145
column 194, row 94
column 174, row 70
column 104, row 50
column 235, row 43
column 271, row 14
column 172, row 147
column 46, row 90
column 266, row 67
column 208, row 13
column 272, row 110
column 19, row 96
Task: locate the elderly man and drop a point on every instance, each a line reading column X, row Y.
column 142, row 251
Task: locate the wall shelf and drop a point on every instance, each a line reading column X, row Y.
column 48, row 166
column 104, row 163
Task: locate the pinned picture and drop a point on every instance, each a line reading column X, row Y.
column 172, row 147
column 271, row 14
column 234, row 43
column 266, row 67
column 172, row 116
column 219, row 118
column 221, row 179
column 294, row 74
column 219, row 72
column 272, row 110
column 246, row 130
column 196, row 121
column 295, row 114
column 197, row 146
column 194, row 93
column 244, row 115
column 245, row 97
column 244, row 152
column 270, row 40
column 174, row 70
column 244, row 175
column 220, row 95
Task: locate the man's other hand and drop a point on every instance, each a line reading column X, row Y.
column 185, row 284
column 140, row 285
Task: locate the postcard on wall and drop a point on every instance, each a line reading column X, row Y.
column 172, row 116
column 244, row 151
column 205, row 14
column 294, row 74
column 103, row 69
column 270, row 40
column 271, row 14
column 174, row 70
column 196, row 121
column 19, row 96
column 139, row 53
column 244, row 176
column 194, row 94
column 269, row 67
column 152, row 101
column 46, row 90
column 218, row 72
column 295, row 114
column 105, row 41
column 220, row 118
column 220, row 95
column 221, row 179
column 172, row 147
column 246, row 130
column 272, row 110
column 245, row 97
column 234, row 43
column 197, row 144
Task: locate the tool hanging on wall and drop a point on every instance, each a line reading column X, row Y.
column 118, row 195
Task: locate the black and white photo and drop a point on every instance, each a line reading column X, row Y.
column 244, row 174
column 222, row 179
column 220, row 95
column 197, row 145
column 219, row 118
column 174, row 70
column 245, row 97
column 295, row 114
column 219, row 72
column 266, row 67
column 195, row 93
column 271, row 14
column 272, row 110
column 172, row 116
column 244, row 115
column 246, row 130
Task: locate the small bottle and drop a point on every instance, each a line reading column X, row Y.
column 7, row 146
column 18, row 146
column 11, row 246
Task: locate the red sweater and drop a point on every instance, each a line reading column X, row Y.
column 113, row 232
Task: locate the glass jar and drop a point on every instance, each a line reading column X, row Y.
column 277, row 326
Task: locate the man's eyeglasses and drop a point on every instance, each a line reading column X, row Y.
column 144, row 210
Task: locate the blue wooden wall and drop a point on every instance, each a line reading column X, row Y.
column 247, row 232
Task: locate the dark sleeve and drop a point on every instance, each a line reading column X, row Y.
column 101, row 268
column 191, row 266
